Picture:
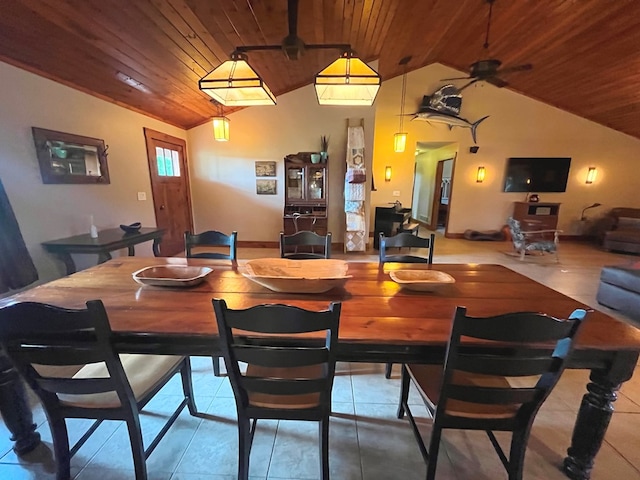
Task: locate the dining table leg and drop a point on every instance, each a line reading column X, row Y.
column 595, row 414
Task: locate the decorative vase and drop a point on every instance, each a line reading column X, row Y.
column 315, row 158
column 324, row 156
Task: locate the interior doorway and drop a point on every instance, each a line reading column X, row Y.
column 432, row 184
column 442, row 195
column 167, row 157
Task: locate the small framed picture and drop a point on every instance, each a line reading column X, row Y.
column 265, row 169
column 266, row 187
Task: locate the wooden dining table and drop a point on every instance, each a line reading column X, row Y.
column 380, row 321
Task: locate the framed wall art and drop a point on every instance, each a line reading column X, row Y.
column 266, row 187
column 265, row 169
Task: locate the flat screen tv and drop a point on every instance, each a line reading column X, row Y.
column 542, row 174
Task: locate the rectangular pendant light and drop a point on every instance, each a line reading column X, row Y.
column 347, row 81
column 235, row 83
column 399, row 142
column 221, row 129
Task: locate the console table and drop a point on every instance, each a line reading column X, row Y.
column 107, row 241
column 537, row 215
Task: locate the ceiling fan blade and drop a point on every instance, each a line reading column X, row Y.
column 455, row 78
column 470, row 83
column 498, row 82
column 517, row 68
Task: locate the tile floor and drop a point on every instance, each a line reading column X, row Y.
column 367, row 441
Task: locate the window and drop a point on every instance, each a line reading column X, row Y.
column 168, row 162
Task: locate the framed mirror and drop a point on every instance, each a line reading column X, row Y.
column 68, row 158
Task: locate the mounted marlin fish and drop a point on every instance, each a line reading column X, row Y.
column 443, row 106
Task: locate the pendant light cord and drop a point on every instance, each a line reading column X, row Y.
column 404, row 61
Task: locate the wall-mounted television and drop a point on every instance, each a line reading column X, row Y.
column 536, row 174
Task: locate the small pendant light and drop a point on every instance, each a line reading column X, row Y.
column 400, row 138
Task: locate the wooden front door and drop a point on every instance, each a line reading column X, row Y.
column 167, row 157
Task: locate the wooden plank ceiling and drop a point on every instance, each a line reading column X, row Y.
column 148, row 55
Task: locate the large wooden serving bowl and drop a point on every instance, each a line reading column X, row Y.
column 297, row 276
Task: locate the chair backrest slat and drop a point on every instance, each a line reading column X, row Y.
column 280, row 386
column 406, row 240
column 271, row 356
column 76, row 386
column 524, row 327
column 489, row 395
column 279, row 319
column 505, row 366
column 305, row 238
column 211, row 238
column 47, row 354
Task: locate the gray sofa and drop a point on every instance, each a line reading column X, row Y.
column 623, row 234
column 619, row 289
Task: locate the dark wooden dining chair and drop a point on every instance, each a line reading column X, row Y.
column 490, row 386
column 305, row 238
column 402, row 240
column 399, row 241
column 211, row 238
column 41, row 339
column 287, row 380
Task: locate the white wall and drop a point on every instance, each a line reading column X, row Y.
column 48, row 212
column 223, row 180
column 517, row 127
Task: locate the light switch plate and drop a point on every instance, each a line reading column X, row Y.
column 396, row 193
column 142, row 196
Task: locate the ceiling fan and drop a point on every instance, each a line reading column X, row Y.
column 488, row 70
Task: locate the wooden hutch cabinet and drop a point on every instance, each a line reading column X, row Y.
column 537, row 215
column 306, row 197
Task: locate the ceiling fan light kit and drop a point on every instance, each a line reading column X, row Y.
column 347, row 81
column 235, row 83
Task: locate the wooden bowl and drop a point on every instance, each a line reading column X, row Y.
column 297, row 276
column 421, row 280
column 172, row 275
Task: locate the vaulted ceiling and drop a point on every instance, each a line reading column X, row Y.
column 148, row 55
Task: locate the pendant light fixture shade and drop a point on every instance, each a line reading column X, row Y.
column 235, row 83
column 221, row 129
column 347, row 81
column 400, row 138
column 399, row 142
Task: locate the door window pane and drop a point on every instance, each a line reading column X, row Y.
column 168, row 162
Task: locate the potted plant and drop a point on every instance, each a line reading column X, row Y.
column 324, row 147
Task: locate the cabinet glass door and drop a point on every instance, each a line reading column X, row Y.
column 295, row 183
column 316, row 185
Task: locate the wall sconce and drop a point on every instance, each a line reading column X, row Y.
column 591, row 175
column 387, row 174
column 480, row 175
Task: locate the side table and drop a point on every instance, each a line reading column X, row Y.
column 107, row 241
